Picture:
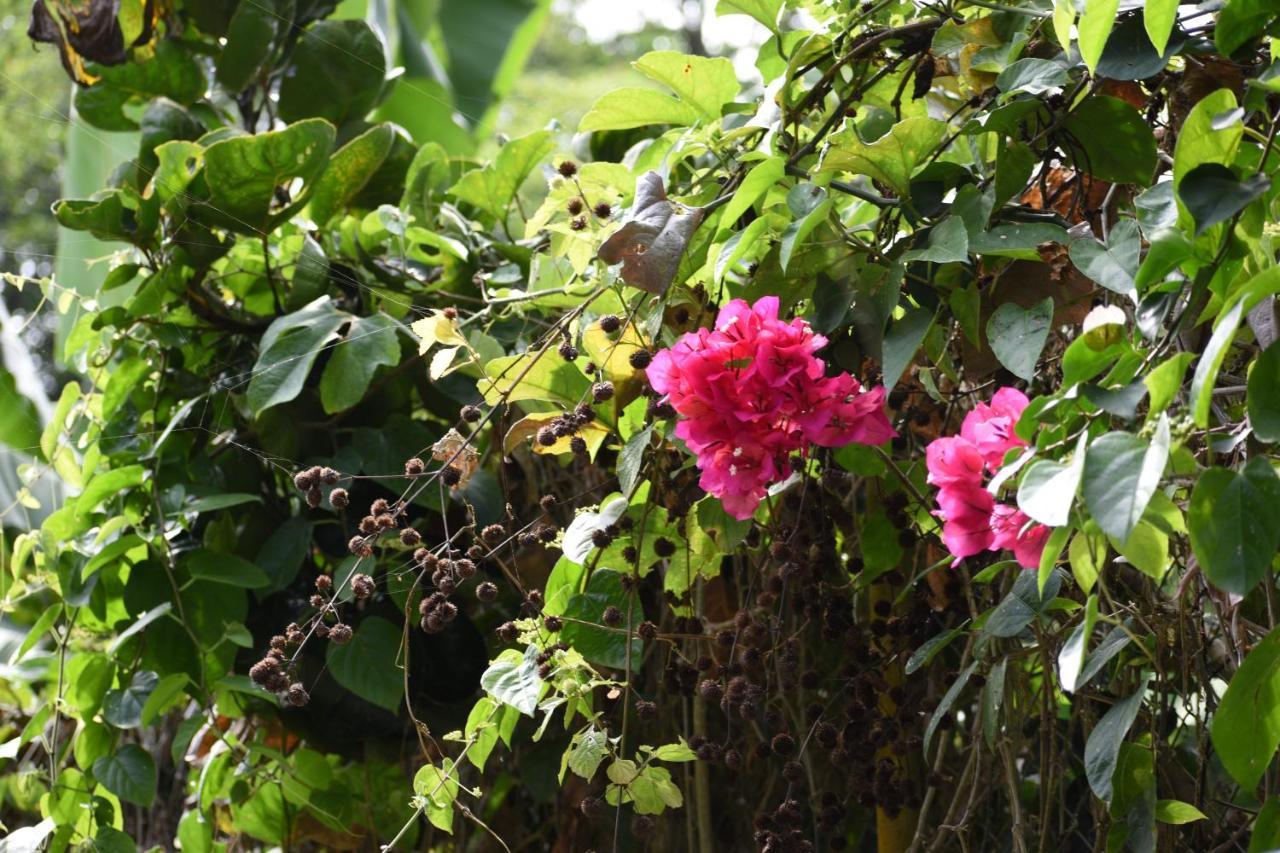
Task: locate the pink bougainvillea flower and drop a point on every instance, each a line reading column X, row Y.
column 1010, row 531
column 966, row 514
column 972, row 521
column 751, row 392
column 953, row 461
column 989, row 428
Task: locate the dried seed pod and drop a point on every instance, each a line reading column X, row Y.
column 362, row 585
column 297, row 695
column 339, row 499
column 340, row 634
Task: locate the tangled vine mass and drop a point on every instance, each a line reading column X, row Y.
column 873, row 452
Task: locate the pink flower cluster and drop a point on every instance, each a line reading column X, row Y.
column 972, row 520
column 752, row 392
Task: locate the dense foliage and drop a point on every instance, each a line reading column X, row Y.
column 881, row 460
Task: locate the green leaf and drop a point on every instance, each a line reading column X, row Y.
column 19, row 420
column 336, row 72
column 122, row 708
column 224, row 569
column 1093, row 29
column 600, row 645
column 1177, row 812
column 439, row 787
column 263, row 815
column 109, row 484
column 1206, row 375
column 1015, row 162
column 1012, row 615
column 1264, row 394
column 948, row 243
column 623, row 109
column 930, row 648
column 1211, row 193
column 367, row 665
column 1246, row 726
column 1234, row 523
column 1122, row 402
column 109, row 215
column 482, row 731
column 1158, row 17
column 349, row 169
column 531, row 376
column 370, row 343
column 892, row 159
column 1243, row 20
column 282, row 554
column 706, row 84
column 763, row 176
column 173, row 72
column 1113, row 264
column 1118, row 144
column 948, row 699
column 901, row 342
column 631, row 457
column 163, row 695
column 1266, row 828
column 252, row 34
column 513, row 680
column 1016, row 240
column 1121, row 472
column 1048, row 488
column 1032, row 76
column 1071, row 658
column 244, row 172
column 764, row 11
column 1129, row 54
column 586, row 752
column 1103, row 745
column 130, row 774
column 493, row 187
column 1204, row 138
column 1017, row 335
column 287, row 351
column 88, row 676
column 1164, row 381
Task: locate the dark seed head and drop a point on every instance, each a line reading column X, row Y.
column 298, row 695
column 602, row 209
column 471, row 414
column 487, row 591
column 567, row 168
column 574, row 205
column 340, row 634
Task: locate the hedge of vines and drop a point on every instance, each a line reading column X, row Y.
column 879, row 458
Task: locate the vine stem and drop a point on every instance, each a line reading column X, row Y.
column 702, row 773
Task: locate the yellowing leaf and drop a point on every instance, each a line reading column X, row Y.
column 612, row 353
column 594, row 434
column 891, row 159
column 437, row 329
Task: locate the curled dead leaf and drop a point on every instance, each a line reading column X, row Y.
column 654, row 237
column 86, row 31
column 453, row 449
